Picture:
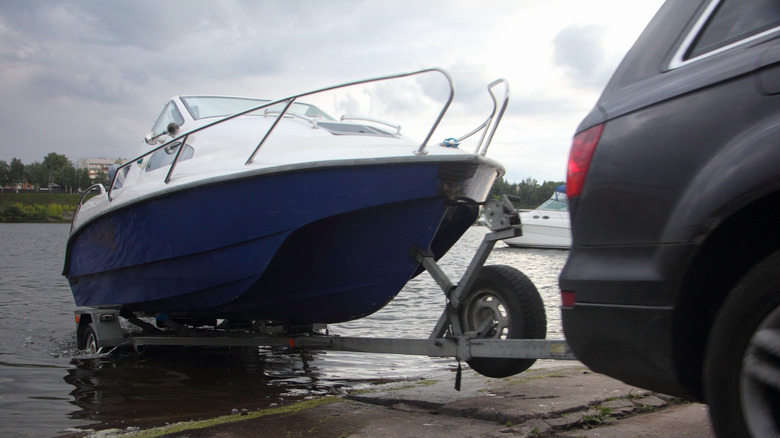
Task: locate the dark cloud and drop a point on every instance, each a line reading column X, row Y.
column 581, row 51
column 87, row 78
column 87, row 48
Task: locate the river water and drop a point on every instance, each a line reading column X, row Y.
column 47, row 388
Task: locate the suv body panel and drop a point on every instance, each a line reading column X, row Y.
column 683, row 151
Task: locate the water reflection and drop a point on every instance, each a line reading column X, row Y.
column 46, row 387
column 177, row 384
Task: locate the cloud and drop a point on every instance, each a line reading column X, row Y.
column 87, row 78
column 581, row 51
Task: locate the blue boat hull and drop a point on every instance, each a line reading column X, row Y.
column 314, row 245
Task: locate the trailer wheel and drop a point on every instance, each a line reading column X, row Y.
column 503, row 304
column 90, row 339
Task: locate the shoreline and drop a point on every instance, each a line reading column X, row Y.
column 547, row 401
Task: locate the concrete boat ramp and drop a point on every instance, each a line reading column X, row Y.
column 549, row 400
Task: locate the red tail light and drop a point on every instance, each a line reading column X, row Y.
column 582, row 148
column 568, row 298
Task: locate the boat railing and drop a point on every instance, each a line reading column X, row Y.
column 89, row 190
column 287, row 101
column 488, row 127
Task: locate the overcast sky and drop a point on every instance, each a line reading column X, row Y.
column 88, row 78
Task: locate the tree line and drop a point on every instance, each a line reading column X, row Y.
column 37, row 207
column 56, row 170
column 531, row 193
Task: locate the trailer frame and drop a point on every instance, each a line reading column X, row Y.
column 448, row 338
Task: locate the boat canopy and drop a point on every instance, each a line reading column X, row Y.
column 560, row 194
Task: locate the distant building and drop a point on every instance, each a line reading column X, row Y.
column 96, row 166
column 17, row 187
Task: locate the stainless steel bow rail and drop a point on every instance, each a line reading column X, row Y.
column 488, row 127
column 491, row 336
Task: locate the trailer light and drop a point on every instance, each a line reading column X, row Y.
column 77, row 318
column 106, row 317
column 568, row 298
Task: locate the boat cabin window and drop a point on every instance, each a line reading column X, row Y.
column 169, row 114
column 164, row 157
column 201, row 107
column 120, row 176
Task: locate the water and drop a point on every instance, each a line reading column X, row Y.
column 47, row 388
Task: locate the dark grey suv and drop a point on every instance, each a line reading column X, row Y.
column 673, row 281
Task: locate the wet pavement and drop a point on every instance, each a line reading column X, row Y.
column 550, row 401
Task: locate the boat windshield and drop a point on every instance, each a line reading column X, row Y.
column 555, row 205
column 169, row 114
column 558, row 201
column 201, row 107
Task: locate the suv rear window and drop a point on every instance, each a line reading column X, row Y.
column 733, row 21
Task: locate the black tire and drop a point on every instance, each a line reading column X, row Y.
column 90, row 340
column 503, row 304
column 742, row 362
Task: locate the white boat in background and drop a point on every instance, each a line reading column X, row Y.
column 547, row 226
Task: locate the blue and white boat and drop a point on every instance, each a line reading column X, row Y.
column 258, row 210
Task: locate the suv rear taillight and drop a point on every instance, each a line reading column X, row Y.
column 568, row 298
column 582, row 148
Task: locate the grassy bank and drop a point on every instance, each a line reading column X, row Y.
column 37, row 207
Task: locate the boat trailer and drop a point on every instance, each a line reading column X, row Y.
column 488, row 320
